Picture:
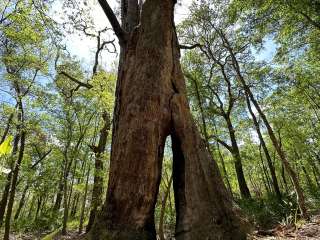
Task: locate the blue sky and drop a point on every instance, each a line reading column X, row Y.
column 83, row 47
column 268, row 51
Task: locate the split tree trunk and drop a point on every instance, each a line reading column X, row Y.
column 152, row 104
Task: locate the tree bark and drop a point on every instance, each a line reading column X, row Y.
column 244, row 190
column 152, row 104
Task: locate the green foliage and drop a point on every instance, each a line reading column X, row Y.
column 5, row 147
column 103, row 89
column 266, row 213
column 63, row 103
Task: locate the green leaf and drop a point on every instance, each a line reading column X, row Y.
column 5, row 147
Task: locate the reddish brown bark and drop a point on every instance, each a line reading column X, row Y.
column 152, row 105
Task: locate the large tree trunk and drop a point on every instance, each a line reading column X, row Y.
column 152, row 104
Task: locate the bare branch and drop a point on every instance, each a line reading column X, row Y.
column 120, row 33
column 181, row 46
column 223, row 143
column 80, row 84
column 40, row 158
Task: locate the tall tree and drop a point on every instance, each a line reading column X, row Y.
column 151, row 104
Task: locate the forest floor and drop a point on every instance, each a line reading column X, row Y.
column 306, row 231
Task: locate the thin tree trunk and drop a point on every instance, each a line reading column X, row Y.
column 31, row 207
column 39, row 203
column 6, row 130
column 21, row 202
column 5, row 194
column 76, row 197
column 74, row 205
column 68, row 163
column 71, row 186
column 265, row 172
column 13, row 186
column 84, row 202
column 243, row 187
column 274, row 140
column 163, row 208
column 203, row 120
column 283, row 157
column 24, row 207
column 224, row 170
column 65, row 206
column 283, row 175
column 59, row 195
column 309, row 181
column 256, row 188
column 265, row 149
column 97, row 190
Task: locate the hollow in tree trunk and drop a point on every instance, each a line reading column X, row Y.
column 152, row 105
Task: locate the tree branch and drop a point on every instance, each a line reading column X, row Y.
column 120, row 33
column 181, row 46
column 80, row 84
column 40, row 158
column 223, row 143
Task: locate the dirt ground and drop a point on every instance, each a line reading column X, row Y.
column 306, row 231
